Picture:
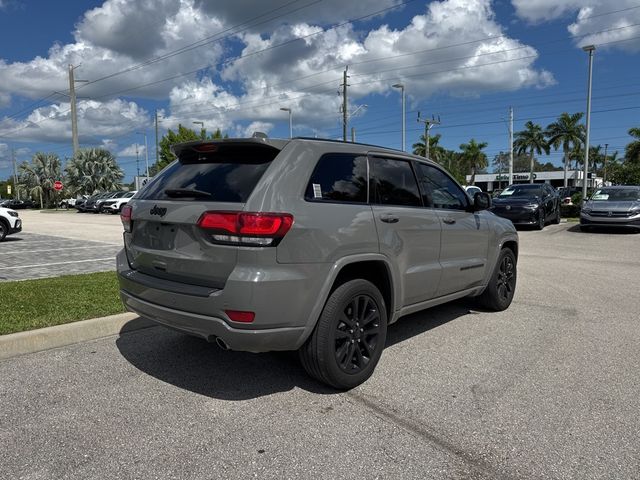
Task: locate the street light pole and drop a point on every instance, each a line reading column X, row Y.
column 590, row 49
column 404, row 129
column 285, row 109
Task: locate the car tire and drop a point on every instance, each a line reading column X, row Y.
column 541, row 220
column 3, row 230
column 348, row 340
column 556, row 220
column 502, row 284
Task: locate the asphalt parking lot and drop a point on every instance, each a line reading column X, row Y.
column 546, row 389
column 64, row 243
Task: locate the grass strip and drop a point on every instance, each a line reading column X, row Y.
column 45, row 302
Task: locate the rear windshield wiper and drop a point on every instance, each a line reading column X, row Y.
column 187, row 192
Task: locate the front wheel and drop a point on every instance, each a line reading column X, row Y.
column 3, row 231
column 541, row 220
column 556, row 220
column 348, row 340
column 502, row 284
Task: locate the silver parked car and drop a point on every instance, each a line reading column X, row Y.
column 612, row 207
column 311, row 245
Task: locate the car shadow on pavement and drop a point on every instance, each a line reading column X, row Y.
column 12, row 239
column 193, row 364
column 601, row 230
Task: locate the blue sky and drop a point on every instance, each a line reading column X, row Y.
column 233, row 65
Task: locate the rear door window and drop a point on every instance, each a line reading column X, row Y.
column 339, row 178
column 225, row 173
column 393, row 183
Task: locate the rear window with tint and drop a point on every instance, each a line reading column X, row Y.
column 229, row 174
column 339, row 178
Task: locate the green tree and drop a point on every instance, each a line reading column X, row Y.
column 531, row 139
column 93, row 170
column 436, row 152
column 632, row 150
column 623, row 173
column 566, row 132
column 37, row 178
column 183, row 134
column 473, row 158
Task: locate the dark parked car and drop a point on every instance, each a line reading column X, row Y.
column 17, row 204
column 528, row 204
column 612, row 207
column 91, row 205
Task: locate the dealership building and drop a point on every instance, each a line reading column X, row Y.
column 489, row 182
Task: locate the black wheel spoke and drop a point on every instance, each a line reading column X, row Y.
column 367, row 348
column 373, row 315
column 360, row 360
column 348, row 321
column 341, row 352
column 341, row 334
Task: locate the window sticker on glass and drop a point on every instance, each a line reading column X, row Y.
column 600, row 196
column 508, row 191
column 317, row 190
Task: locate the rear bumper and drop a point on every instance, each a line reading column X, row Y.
column 282, row 319
column 210, row 328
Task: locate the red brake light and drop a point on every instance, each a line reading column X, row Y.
column 240, row 316
column 264, row 223
column 125, row 217
column 251, row 228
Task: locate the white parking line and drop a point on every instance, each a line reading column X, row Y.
column 59, row 263
column 61, row 249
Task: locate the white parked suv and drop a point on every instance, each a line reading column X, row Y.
column 115, row 205
column 9, row 222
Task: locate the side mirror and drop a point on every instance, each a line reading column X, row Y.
column 481, row 201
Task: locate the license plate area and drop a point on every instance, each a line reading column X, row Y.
column 157, row 236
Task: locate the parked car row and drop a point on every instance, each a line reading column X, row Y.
column 109, row 202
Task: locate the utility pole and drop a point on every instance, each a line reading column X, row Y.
column 590, row 49
column 510, row 146
column 428, row 125
column 344, row 104
column 74, row 113
column 604, row 175
column 16, row 194
column 353, row 134
column 146, row 151
column 137, row 160
column 156, row 118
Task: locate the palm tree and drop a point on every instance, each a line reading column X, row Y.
column 39, row 176
column 93, row 170
column 473, row 158
column 532, row 139
column 632, row 150
column 568, row 133
column 436, row 152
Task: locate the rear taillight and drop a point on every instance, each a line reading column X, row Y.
column 125, row 217
column 246, row 228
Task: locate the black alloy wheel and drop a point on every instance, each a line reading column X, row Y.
column 541, row 219
column 502, row 285
column 506, row 281
column 3, row 231
column 556, row 220
column 357, row 334
column 349, row 337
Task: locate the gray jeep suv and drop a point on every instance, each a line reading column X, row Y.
column 312, row 245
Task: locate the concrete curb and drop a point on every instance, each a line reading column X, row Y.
column 32, row 341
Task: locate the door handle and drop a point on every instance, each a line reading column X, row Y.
column 389, row 218
column 449, row 220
